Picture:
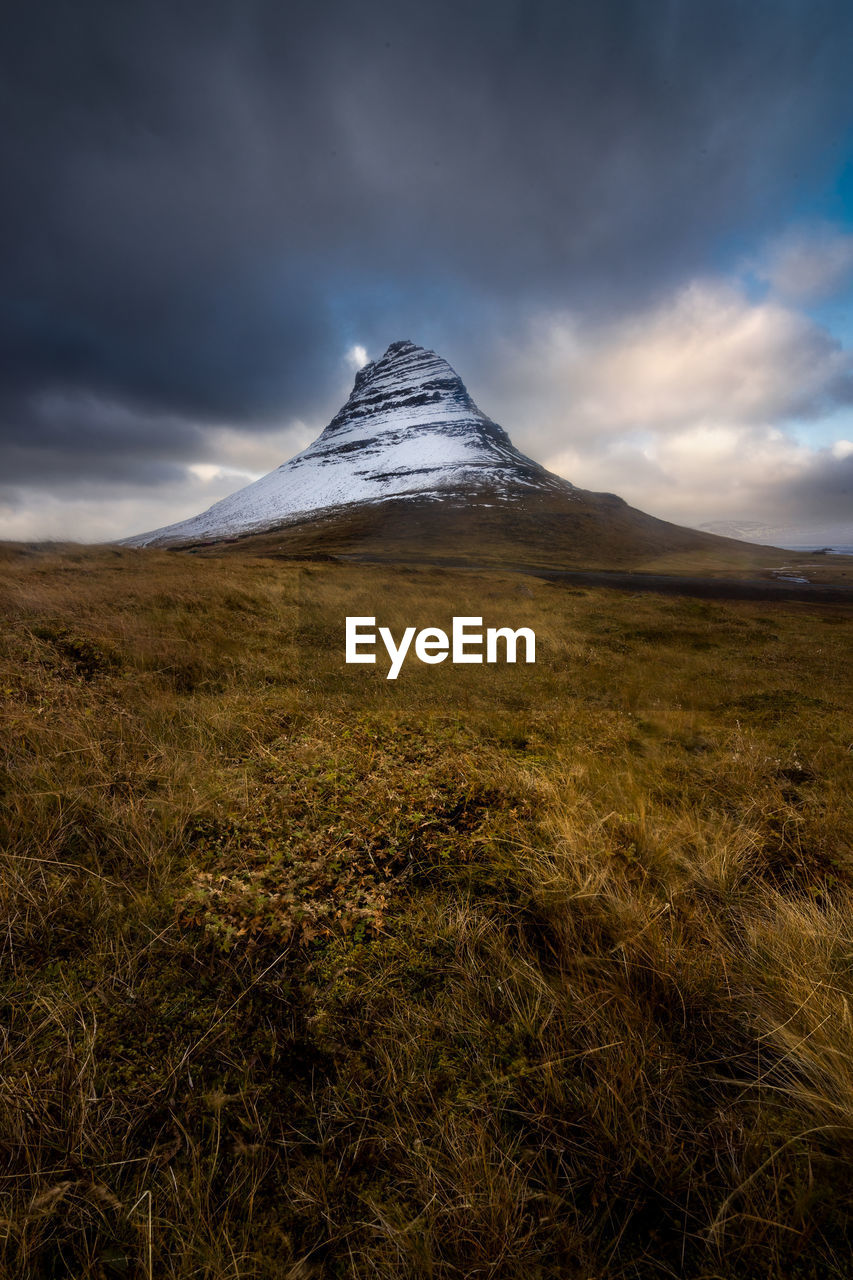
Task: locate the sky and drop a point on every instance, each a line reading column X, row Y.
column 627, row 224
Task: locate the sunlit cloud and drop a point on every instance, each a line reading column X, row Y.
column 707, row 355
column 688, row 409
column 356, row 358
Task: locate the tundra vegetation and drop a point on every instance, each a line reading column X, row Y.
column 513, row 971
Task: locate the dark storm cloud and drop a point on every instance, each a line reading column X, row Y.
column 107, row 439
column 206, row 202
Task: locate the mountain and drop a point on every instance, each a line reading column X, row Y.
column 409, row 429
column 411, row 468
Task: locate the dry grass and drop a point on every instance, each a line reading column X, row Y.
column 499, row 972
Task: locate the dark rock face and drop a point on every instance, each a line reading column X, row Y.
column 411, row 397
column 408, row 429
column 406, row 376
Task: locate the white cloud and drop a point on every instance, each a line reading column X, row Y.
column 356, row 358
column 208, row 471
column 686, row 410
column 706, row 356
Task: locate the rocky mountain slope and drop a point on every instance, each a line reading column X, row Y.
column 409, row 429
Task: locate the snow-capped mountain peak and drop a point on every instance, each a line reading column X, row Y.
column 408, row 430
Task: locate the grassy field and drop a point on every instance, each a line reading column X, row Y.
column 511, row 972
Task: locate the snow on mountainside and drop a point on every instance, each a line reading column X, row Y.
column 409, row 429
